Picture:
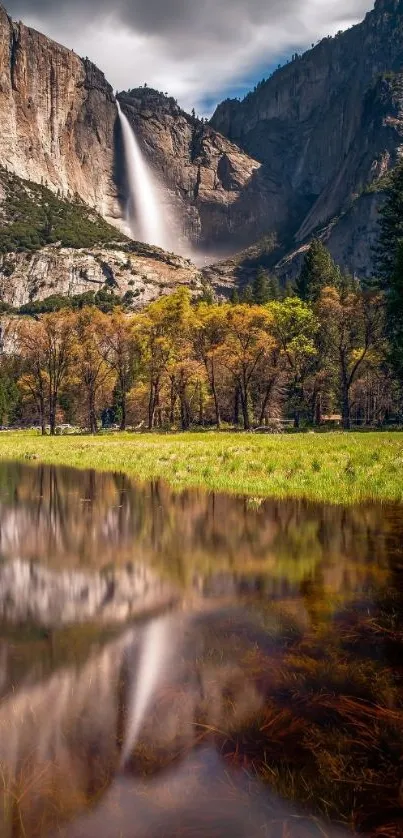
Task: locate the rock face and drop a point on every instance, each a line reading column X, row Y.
column 305, row 153
column 59, row 126
column 326, row 127
column 31, row 593
column 221, row 194
column 58, row 117
column 141, row 272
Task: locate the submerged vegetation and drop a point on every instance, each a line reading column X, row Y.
column 332, row 467
column 330, row 735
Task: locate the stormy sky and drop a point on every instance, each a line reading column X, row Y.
column 199, row 51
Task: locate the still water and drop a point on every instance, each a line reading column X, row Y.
column 193, row 664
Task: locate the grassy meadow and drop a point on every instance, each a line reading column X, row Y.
column 332, row 467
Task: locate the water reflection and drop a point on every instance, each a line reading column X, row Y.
column 62, row 740
column 95, row 521
column 276, row 690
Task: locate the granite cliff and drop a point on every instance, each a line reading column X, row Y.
column 57, row 117
column 221, row 194
column 308, row 151
column 327, row 127
column 59, row 127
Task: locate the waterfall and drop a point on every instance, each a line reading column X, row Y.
column 154, row 656
column 144, row 212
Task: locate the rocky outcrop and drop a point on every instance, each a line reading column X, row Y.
column 220, row 193
column 326, row 127
column 137, row 272
column 295, row 157
column 57, row 115
column 59, row 127
column 30, row 593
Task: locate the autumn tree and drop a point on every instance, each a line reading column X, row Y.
column 46, row 346
column 161, row 330
column 92, row 369
column 246, row 343
column 295, row 327
column 354, row 326
column 121, row 353
column 209, row 335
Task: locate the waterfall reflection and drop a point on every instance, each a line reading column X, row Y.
column 237, row 714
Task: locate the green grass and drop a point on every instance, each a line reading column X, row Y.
column 334, row 468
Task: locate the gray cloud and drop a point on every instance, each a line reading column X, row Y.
column 192, row 48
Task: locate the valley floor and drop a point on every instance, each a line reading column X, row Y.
column 334, row 467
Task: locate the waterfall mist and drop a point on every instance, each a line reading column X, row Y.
column 144, row 212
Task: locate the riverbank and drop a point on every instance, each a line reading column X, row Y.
column 333, row 468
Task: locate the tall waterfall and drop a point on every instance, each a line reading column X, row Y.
column 144, row 212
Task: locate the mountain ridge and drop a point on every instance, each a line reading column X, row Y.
column 306, row 153
column 329, row 125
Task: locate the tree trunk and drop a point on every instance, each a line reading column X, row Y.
column 92, row 415
column 184, row 413
column 42, row 416
column 172, row 404
column 215, row 397
column 52, row 414
column 201, row 405
column 236, row 406
column 318, row 410
column 267, row 395
column 346, row 407
column 245, row 409
column 123, row 410
column 151, row 405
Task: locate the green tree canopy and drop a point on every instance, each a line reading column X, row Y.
column 395, row 313
column 318, row 271
column 261, row 290
column 391, row 225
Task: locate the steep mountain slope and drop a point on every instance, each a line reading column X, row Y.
column 57, row 117
column 326, row 128
column 306, row 152
column 58, row 126
column 221, row 194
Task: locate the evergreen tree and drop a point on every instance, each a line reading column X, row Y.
column 391, row 224
column 394, row 311
column 289, row 289
column 234, row 297
column 247, row 295
column 275, row 292
column 261, row 293
column 318, row 271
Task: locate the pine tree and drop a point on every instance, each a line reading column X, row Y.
column 391, row 225
column 275, row 292
column 247, row 295
column 394, row 312
column 289, row 289
column 234, row 297
column 318, row 271
column 261, row 293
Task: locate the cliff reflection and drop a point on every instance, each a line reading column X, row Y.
column 303, row 701
column 89, row 521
